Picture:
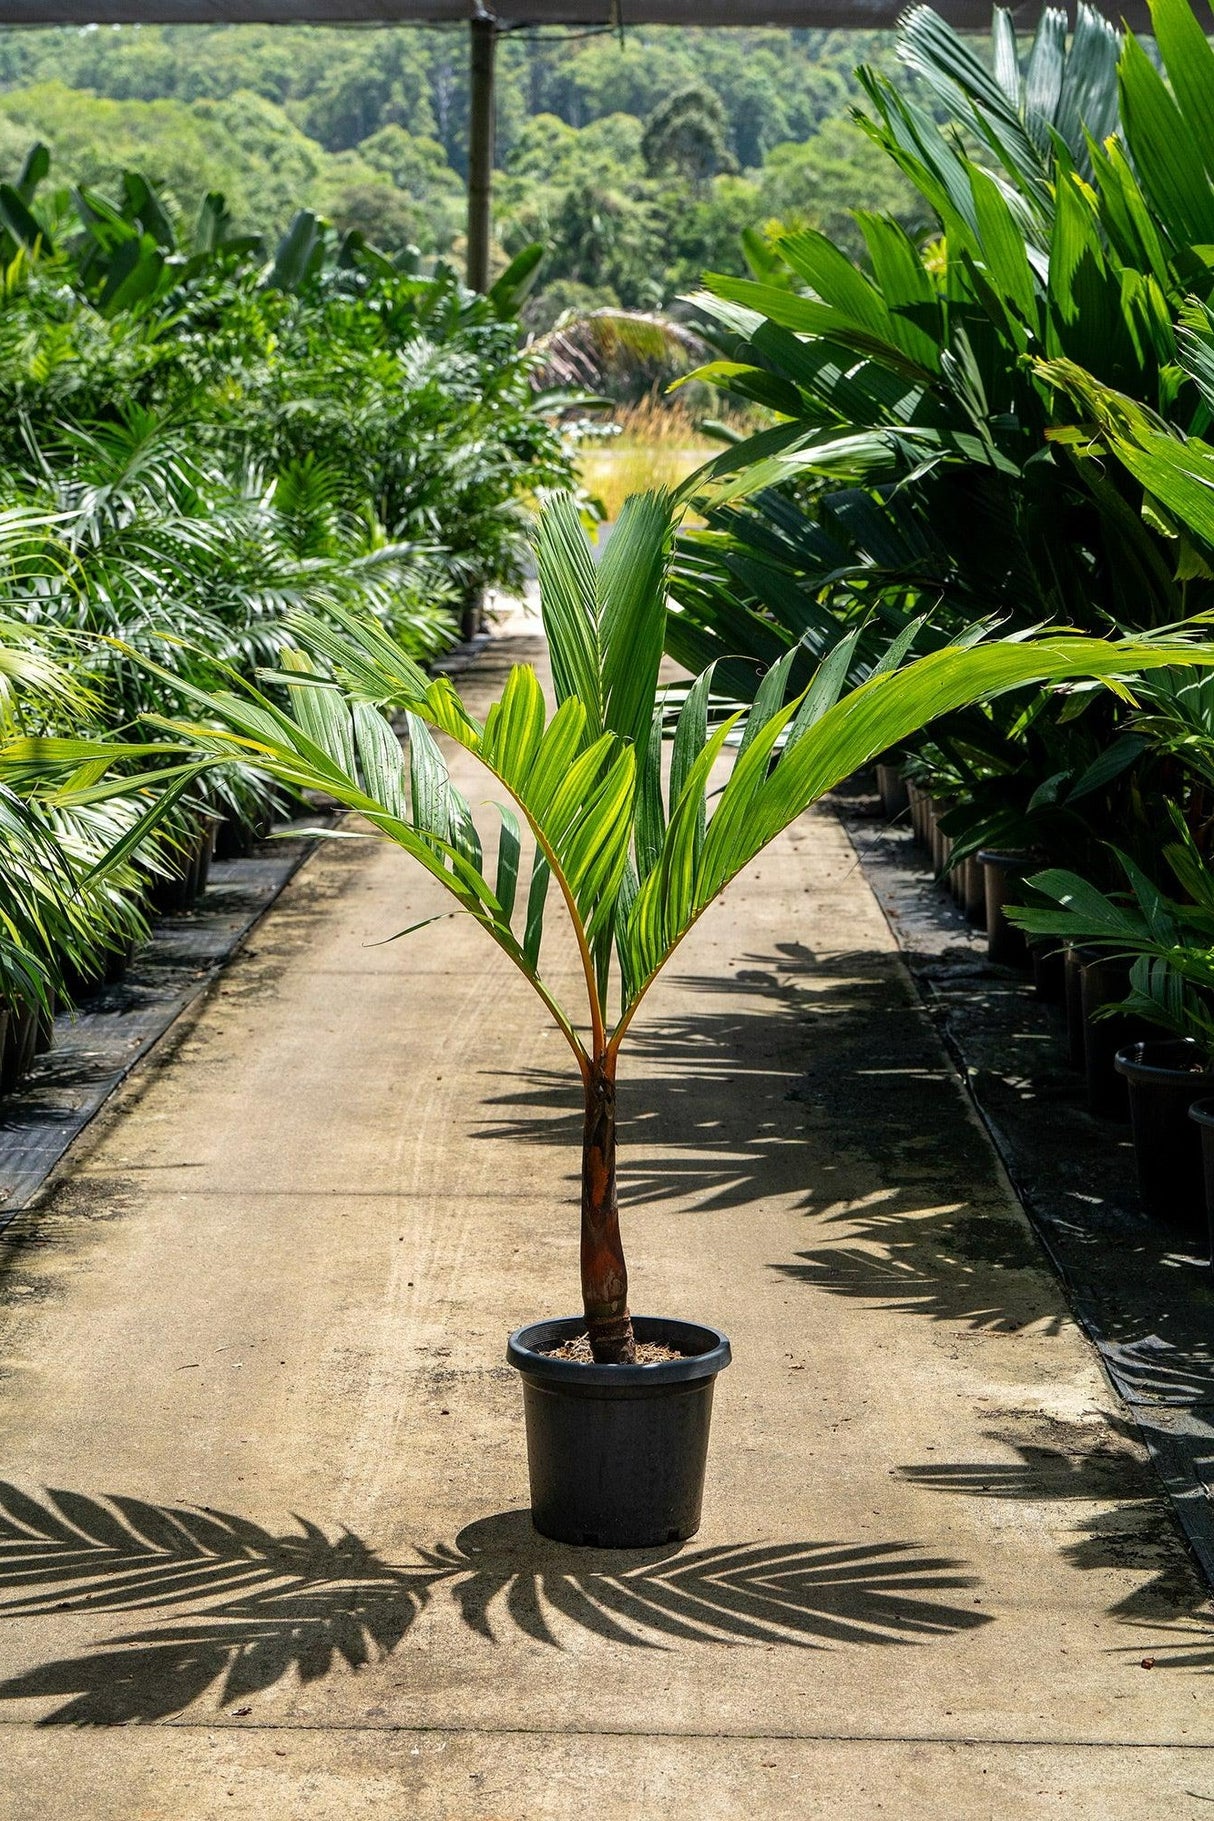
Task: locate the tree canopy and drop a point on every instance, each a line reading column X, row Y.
column 640, row 162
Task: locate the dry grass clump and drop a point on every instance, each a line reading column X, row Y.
column 657, row 445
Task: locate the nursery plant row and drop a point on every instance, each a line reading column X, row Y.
column 199, row 434
column 1002, row 429
column 1087, row 955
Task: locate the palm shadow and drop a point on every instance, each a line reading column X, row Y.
column 952, row 1264
column 1128, row 1526
column 816, row 1079
column 766, row 1081
column 232, row 1607
column 805, row 1594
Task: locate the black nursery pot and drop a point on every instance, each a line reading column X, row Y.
column 235, row 838
column 617, row 1453
column 1202, row 1114
column 19, row 1048
column 917, row 797
column 44, row 1030
column 891, row 786
column 1049, row 970
column 1165, row 1077
column 1004, row 874
column 1105, row 980
column 200, row 865
column 973, row 889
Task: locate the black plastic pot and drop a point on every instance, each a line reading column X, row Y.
column 235, row 839
column 19, row 1047
column 1104, row 980
column 200, row 864
column 891, row 786
column 1005, row 944
column 1073, row 975
column 1166, row 1076
column 77, row 984
column 117, row 961
column 169, row 895
column 956, row 877
column 942, row 846
column 44, row 1030
column 1202, row 1114
column 236, row 836
column 616, row 1454
column 175, row 895
column 1049, row 970
column 973, row 890
column 918, row 811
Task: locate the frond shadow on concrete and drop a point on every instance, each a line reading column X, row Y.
column 1127, row 1525
column 808, row 1076
column 231, row 1607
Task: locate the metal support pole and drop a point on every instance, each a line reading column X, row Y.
column 483, row 51
column 480, row 147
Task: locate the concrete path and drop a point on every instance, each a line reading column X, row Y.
column 254, row 1342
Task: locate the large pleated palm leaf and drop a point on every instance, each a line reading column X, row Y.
column 633, row 851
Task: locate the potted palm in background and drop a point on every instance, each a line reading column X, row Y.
column 626, row 844
column 1166, row 947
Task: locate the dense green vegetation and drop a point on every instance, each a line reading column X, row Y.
column 986, row 408
column 639, row 164
column 1002, row 425
column 199, row 436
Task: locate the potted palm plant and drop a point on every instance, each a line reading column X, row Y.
column 617, row 1406
column 1162, row 951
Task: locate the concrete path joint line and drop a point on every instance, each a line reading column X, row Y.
column 986, row 1742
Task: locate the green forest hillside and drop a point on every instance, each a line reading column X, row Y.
column 640, row 162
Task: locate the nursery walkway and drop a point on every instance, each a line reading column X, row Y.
column 263, row 1315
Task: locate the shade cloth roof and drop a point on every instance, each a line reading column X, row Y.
column 972, row 15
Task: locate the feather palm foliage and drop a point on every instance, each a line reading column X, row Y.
column 198, row 440
column 59, row 916
column 633, row 857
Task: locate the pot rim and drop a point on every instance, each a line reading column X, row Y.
column 713, row 1356
column 1088, row 954
column 1131, row 1063
column 1202, row 1112
column 1005, row 858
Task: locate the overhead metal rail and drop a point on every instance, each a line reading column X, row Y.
column 486, row 26
column 828, row 15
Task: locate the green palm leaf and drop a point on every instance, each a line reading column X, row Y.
column 636, row 866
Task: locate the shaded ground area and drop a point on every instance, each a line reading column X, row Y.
column 264, row 1480
column 1143, row 1292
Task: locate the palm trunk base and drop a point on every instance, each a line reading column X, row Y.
column 604, row 1273
column 612, row 1341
